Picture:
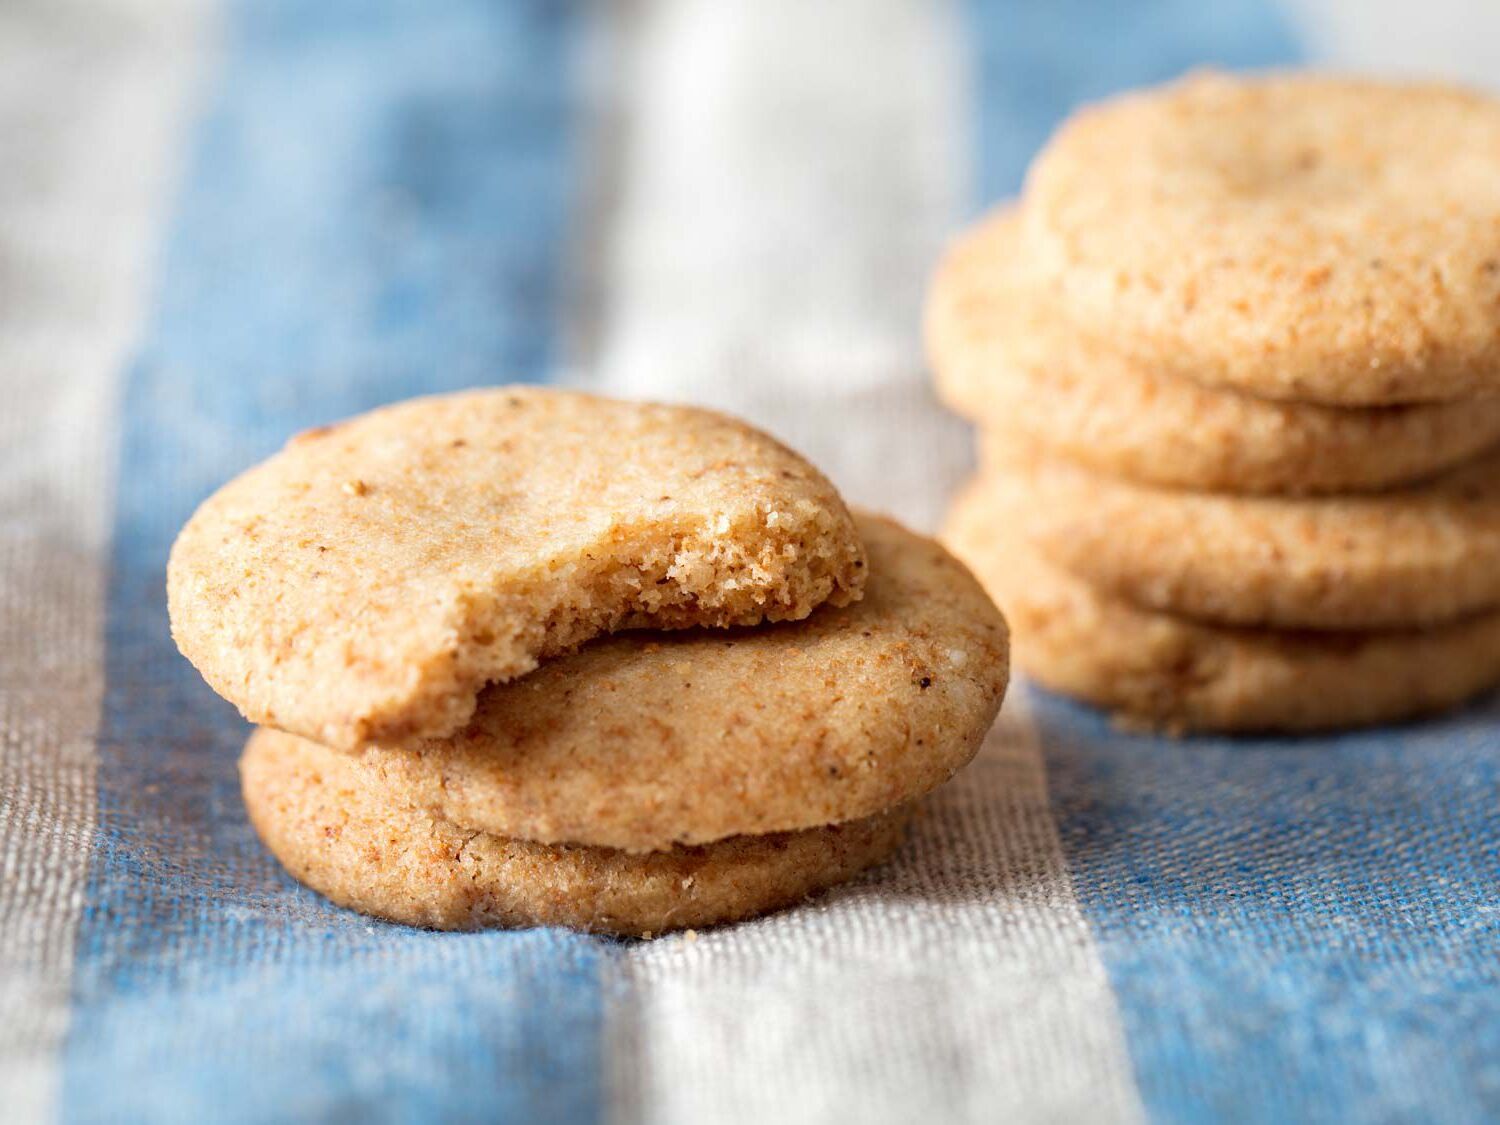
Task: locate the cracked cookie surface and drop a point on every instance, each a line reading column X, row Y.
column 367, row 581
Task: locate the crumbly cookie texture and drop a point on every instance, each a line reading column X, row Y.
column 641, row 741
column 1157, row 670
column 368, row 580
column 1423, row 555
column 336, row 827
column 1002, row 357
column 1294, row 235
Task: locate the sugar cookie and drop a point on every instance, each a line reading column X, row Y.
column 368, row 580
column 1002, row 357
column 335, row 827
column 1156, row 669
column 1293, row 235
column 1422, row 555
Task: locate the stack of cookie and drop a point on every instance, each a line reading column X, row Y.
column 417, row 607
column 1236, row 363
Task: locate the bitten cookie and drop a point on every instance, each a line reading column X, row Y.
column 340, row 830
column 1295, row 236
column 1423, row 555
column 644, row 741
column 1002, row 357
column 368, row 580
column 1164, row 671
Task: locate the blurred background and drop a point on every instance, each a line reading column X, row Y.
column 222, row 222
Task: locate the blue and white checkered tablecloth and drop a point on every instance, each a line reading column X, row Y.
column 222, row 222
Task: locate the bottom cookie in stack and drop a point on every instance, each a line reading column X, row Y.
column 651, row 782
column 1158, row 669
column 339, row 831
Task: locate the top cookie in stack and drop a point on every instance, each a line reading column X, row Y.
column 1236, row 363
column 529, row 657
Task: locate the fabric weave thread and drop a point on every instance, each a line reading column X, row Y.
column 733, row 202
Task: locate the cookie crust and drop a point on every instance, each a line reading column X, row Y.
column 368, row 580
column 1297, row 236
column 337, row 828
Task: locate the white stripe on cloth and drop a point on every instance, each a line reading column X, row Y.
column 958, row 983
column 783, row 176
column 1456, row 40
column 92, row 94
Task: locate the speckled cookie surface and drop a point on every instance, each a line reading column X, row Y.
column 1294, row 235
column 1003, row 358
column 370, row 578
column 339, row 830
column 1158, row 670
column 644, row 741
column 1422, row 555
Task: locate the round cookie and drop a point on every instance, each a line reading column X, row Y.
column 1423, row 555
column 1293, row 235
column 641, row 742
column 1162, row 671
column 1003, row 358
column 368, row 580
column 337, row 829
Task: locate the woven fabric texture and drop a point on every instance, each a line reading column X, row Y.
column 223, row 222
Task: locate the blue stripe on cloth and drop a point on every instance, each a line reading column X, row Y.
column 1294, row 929
column 375, row 206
